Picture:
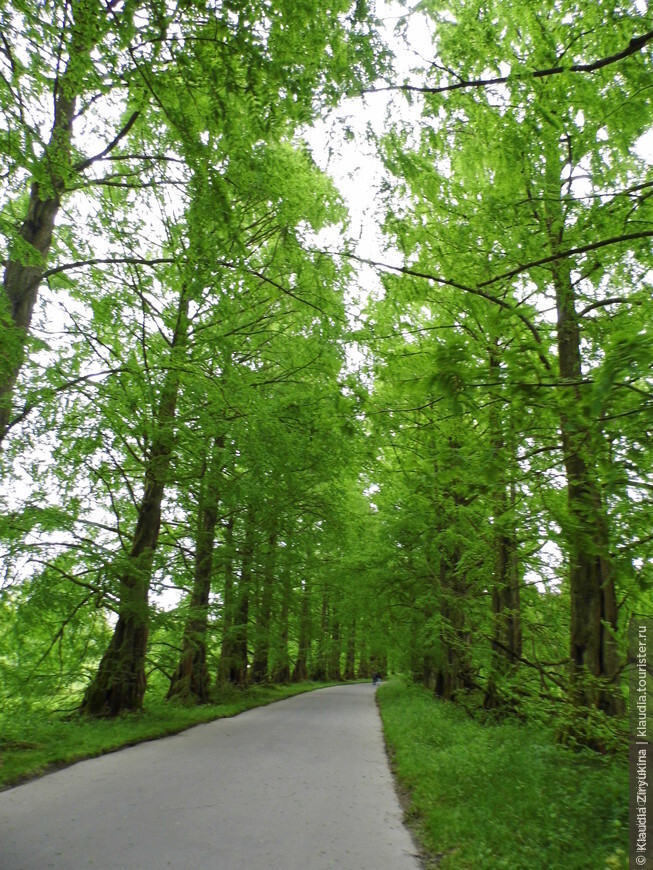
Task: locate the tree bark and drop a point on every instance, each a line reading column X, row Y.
column 281, row 668
column 28, row 255
column 506, row 610
column 350, row 655
column 334, row 651
column 452, row 672
column 320, row 667
column 594, row 664
column 593, row 633
column 119, row 684
column 236, row 648
column 26, row 264
column 364, row 667
column 228, row 609
column 260, row 661
column 191, row 681
column 300, row 671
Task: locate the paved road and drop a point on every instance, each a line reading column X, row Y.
column 300, row 785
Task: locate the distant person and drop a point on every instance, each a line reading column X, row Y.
column 376, row 679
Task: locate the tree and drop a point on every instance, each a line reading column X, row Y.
column 122, row 74
column 86, row 61
column 547, row 209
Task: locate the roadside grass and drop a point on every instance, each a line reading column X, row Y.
column 502, row 795
column 33, row 743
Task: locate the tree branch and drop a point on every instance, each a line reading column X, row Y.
column 108, row 261
column 635, row 45
column 613, row 300
column 570, row 252
column 29, row 406
column 84, row 164
column 475, row 291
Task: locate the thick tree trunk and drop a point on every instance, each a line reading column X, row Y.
column 28, row 254
column 452, row 672
column 27, row 258
column 119, row 684
column 594, row 655
column 594, row 662
column 191, row 680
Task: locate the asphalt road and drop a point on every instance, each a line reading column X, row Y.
column 302, row 784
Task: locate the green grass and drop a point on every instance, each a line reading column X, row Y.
column 32, row 744
column 504, row 795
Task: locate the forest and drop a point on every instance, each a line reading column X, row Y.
column 240, row 449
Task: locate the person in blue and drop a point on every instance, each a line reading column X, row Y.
column 376, row 679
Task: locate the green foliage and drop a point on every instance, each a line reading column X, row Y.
column 511, row 355
column 504, row 795
column 191, row 338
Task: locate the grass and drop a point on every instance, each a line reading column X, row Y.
column 33, row 744
column 504, row 795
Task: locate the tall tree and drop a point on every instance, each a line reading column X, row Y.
column 121, row 74
column 527, row 192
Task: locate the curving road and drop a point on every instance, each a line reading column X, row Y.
column 303, row 784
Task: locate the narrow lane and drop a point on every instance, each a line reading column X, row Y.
column 302, row 784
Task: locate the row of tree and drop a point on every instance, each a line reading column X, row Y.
column 171, row 389
column 176, row 404
column 513, row 353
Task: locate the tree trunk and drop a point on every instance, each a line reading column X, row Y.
column 190, row 681
column 26, row 264
column 28, row 254
column 364, row 668
column 237, row 649
column 260, row 660
column 506, row 611
column 594, row 664
column 119, row 684
column 452, row 672
column 334, row 651
column 350, row 656
column 300, row 671
column 593, row 643
column 281, row 671
column 228, row 609
column 320, row 667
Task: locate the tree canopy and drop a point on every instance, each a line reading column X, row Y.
column 218, row 467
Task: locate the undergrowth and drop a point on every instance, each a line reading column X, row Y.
column 502, row 795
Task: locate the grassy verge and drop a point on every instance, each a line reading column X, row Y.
column 505, row 795
column 33, row 744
